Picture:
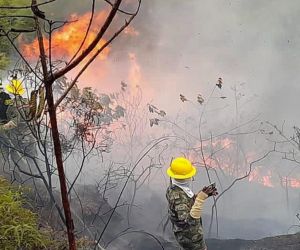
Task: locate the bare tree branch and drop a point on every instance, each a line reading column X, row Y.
column 95, row 56
column 86, row 33
column 93, row 44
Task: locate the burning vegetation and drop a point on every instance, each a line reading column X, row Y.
column 66, row 41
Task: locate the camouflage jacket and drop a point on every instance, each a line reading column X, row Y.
column 5, row 101
column 18, row 112
column 187, row 230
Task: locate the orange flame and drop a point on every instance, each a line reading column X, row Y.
column 268, row 181
column 221, row 162
column 66, row 41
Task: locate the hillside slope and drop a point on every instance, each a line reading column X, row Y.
column 282, row 242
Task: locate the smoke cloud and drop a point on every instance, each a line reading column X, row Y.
column 183, row 47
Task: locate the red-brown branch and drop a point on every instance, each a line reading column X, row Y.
column 60, row 167
column 93, row 44
column 48, row 81
column 95, row 56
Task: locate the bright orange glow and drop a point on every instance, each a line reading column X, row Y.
column 66, row 41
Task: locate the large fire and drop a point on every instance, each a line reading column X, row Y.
column 66, row 41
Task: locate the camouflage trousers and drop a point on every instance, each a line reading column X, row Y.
column 190, row 240
column 16, row 154
column 4, row 157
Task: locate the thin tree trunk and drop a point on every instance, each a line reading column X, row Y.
column 48, row 81
column 59, row 163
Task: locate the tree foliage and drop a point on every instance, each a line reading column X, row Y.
column 8, row 24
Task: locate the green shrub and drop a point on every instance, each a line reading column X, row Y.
column 18, row 226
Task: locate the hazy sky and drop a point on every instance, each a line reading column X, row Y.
column 256, row 42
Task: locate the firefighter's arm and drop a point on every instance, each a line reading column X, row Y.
column 7, row 126
column 197, row 208
column 13, row 116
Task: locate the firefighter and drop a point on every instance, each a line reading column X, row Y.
column 185, row 208
column 21, row 143
column 5, row 102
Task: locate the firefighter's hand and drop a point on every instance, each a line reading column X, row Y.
column 210, row 190
column 3, row 128
column 7, row 126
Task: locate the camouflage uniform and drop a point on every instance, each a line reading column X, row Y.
column 187, row 230
column 5, row 101
column 18, row 141
column 21, row 138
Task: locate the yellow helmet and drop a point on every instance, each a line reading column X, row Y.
column 181, row 168
column 15, row 87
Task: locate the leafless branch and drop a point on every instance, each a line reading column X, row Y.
column 95, row 56
column 86, row 33
column 93, row 44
